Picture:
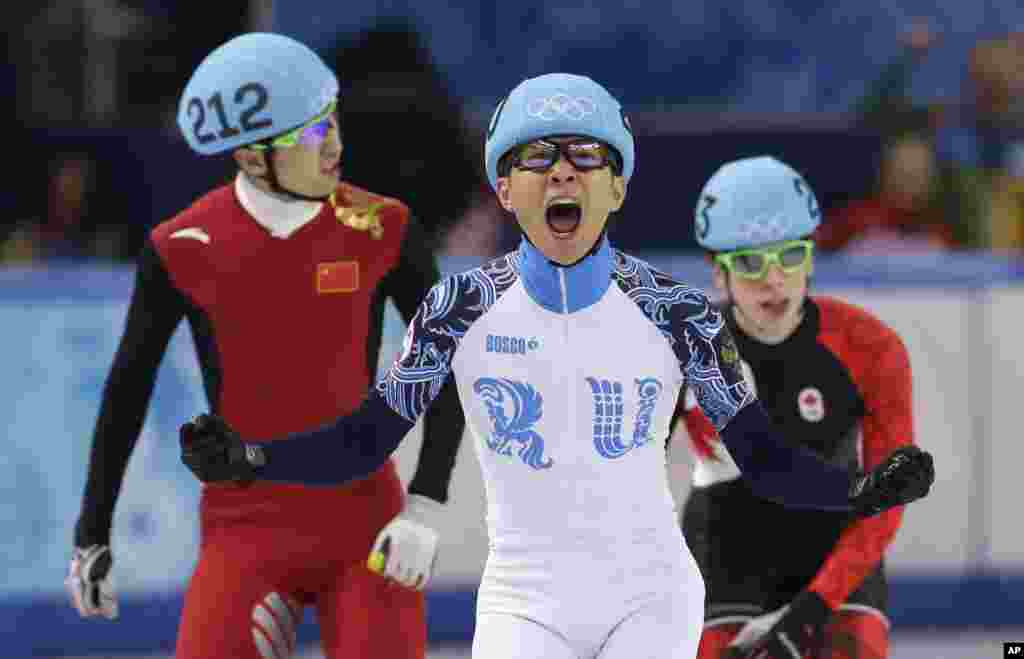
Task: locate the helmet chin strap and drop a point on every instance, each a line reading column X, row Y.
column 275, row 185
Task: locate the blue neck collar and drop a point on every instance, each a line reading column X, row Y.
column 566, row 289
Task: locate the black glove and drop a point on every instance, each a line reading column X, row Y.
column 905, row 476
column 798, row 629
column 214, row 452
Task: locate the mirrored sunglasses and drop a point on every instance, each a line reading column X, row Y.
column 311, row 134
column 585, row 155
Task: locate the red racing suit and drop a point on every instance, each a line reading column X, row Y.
column 288, row 333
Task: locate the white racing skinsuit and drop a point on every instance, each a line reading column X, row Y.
column 568, row 377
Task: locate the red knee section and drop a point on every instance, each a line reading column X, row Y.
column 856, row 635
column 271, row 538
column 715, row 640
column 370, row 616
column 850, row 635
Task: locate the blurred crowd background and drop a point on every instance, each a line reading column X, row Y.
column 907, row 117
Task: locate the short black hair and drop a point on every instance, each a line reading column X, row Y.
column 505, row 163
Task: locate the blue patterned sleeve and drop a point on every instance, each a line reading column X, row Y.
column 710, row 361
column 416, row 377
column 446, row 313
column 444, row 317
column 697, row 334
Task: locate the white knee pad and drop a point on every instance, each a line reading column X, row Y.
column 274, row 621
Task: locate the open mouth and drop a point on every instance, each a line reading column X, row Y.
column 776, row 307
column 563, row 217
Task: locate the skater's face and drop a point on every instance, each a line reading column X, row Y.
column 306, row 161
column 770, row 306
column 561, row 206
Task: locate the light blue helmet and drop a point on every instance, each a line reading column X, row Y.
column 557, row 104
column 752, row 202
column 253, row 87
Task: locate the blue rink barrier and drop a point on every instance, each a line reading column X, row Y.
column 50, row 627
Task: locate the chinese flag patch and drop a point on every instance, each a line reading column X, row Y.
column 337, row 277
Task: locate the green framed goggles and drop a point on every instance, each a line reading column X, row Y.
column 311, row 134
column 791, row 257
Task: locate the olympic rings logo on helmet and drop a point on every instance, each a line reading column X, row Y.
column 753, row 201
column 550, row 108
column 763, row 232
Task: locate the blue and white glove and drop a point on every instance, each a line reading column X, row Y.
column 90, row 582
column 406, row 548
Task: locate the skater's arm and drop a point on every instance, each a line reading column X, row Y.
column 444, row 421
column 781, row 471
column 885, row 385
column 351, row 447
column 154, row 312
